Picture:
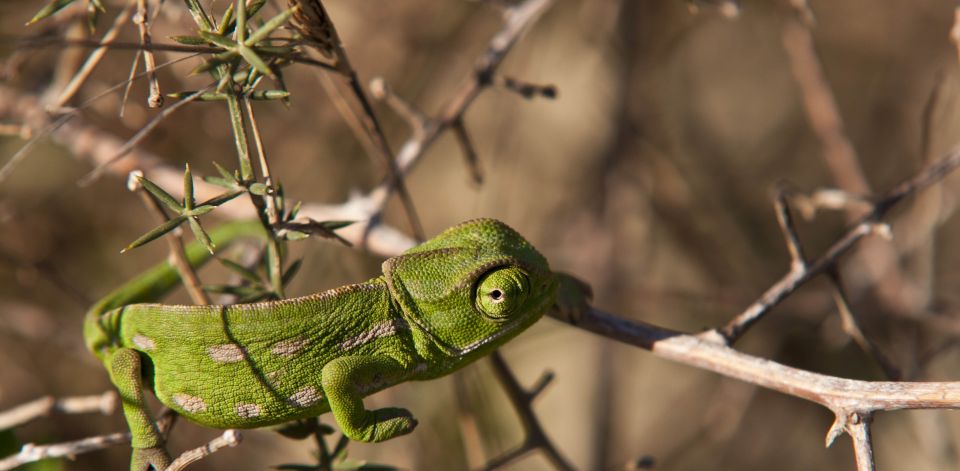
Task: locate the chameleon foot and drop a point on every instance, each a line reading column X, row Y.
column 144, row 458
column 387, row 423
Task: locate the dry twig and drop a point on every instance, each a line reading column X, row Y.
column 522, row 401
column 104, row 403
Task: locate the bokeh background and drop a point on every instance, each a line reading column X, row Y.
column 650, row 176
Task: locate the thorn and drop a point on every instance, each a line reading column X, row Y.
column 837, row 429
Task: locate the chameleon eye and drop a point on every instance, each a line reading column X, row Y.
column 501, row 291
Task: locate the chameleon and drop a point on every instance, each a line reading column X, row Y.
column 434, row 309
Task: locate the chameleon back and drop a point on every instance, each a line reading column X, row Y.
column 252, row 365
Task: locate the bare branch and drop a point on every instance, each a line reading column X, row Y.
column 522, row 401
column 852, row 327
column 30, row 452
column 821, row 108
column 104, row 403
column 830, row 391
column 867, row 225
column 229, row 438
column 798, row 262
column 94, row 59
column 140, row 18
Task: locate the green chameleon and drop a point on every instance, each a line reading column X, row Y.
column 436, row 308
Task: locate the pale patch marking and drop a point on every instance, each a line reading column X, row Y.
column 382, row 329
column 226, row 353
column 290, row 347
column 189, row 403
column 248, row 411
column 144, row 343
column 305, row 397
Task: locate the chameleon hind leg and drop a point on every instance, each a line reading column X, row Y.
column 347, row 379
column 148, row 450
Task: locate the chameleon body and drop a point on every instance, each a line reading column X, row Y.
column 435, row 308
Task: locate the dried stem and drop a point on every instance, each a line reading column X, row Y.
column 229, row 438
column 798, row 264
column 104, row 403
column 821, row 108
column 798, row 261
column 141, row 19
column 91, row 143
column 30, row 452
column 852, row 327
column 522, row 401
column 94, row 59
column 867, row 224
column 372, row 123
column 702, row 352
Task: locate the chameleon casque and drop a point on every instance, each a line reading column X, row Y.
column 435, row 308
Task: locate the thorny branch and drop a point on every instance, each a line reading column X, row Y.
column 90, row 143
column 852, row 401
column 870, row 223
column 522, row 401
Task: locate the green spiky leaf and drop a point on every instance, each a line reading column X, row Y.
column 201, row 234
column 51, row 8
column 156, row 232
column 190, row 40
column 160, row 194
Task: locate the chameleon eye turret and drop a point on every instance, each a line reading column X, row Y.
column 501, row 292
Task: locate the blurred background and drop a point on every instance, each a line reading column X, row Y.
column 650, row 176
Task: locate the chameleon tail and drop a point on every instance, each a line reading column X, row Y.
column 156, row 282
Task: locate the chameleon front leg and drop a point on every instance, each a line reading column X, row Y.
column 148, row 449
column 347, row 379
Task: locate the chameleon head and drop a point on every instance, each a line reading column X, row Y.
column 472, row 288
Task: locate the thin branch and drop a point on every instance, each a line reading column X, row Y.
column 229, row 438
column 30, row 452
column 821, row 108
column 852, row 327
column 469, row 151
column 372, row 123
column 867, row 225
column 94, row 59
column 829, row 198
column 522, row 401
column 104, row 403
column 414, row 117
column 798, row 262
column 155, row 98
column 518, row 19
column 879, row 259
column 139, row 136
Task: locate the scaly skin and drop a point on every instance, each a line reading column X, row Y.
column 436, row 308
